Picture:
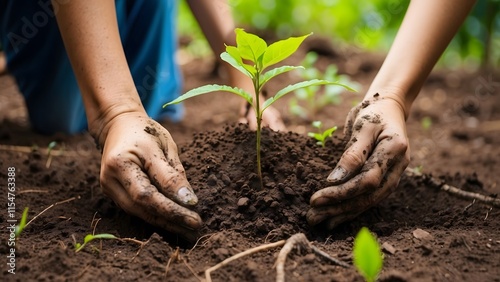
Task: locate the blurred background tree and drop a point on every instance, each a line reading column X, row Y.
column 367, row 24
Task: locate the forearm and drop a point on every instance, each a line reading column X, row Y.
column 90, row 33
column 216, row 22
column 428, row 27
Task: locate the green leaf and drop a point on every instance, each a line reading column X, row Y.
column 274, row 72
column 88, row 238
column 105, row 236
column 250, row 46
column 329, row 132
column 19, row 228
column 211, row 88
column 316, row 123
column 280, row 50
column 367, row 255
column 235, row 55
column 293, row 87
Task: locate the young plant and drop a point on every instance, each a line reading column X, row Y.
column 321, row 136
column 309, row 101
column 367, row 255
column 19, row 228
column 252, row 56
column 90, row 237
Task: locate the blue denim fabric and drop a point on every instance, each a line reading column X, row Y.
column 37, row 59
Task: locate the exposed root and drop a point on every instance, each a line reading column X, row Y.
column 297, row 240
column 454, row 190
column 240, row 255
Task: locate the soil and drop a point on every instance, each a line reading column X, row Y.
column 460, row 147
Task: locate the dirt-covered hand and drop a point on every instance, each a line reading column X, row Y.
column 142, row 173
column 376, row 155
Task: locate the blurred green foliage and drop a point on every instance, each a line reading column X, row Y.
column 369, row 24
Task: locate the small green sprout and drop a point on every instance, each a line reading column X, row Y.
column 309, row 101
column 426, row 123
column 19, row 228
column 252, row 56
column 321, row 136
column 90, row 237
column 367, row 255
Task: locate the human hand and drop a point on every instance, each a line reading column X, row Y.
column 376, row 155
column 142, row 173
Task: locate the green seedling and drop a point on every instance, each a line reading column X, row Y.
column 90, row 237
column 426, row 123
column 321, row 136
column 367, row 255
column 252, row 56
column 19, row 228
column 309, row 101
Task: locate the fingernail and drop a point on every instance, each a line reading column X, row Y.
column 187, row 196
column 337, row 174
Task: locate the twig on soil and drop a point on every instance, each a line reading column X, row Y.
column 487, row 213
column 140, row 248
column 492, row 125
column 51, row 206
column 32, row 191
column 197, row 241
column 240, row 255
column 190, row 268
column 26, row 149
column 454, row 190
column 175, row 255
column 298, row 239
column 469, row 205
column 328, row 257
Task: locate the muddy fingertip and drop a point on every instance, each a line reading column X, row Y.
column 186, row 196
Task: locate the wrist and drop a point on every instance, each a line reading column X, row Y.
column 394, row 93
column 102, row 117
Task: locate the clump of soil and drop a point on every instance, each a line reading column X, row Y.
column 222, row 165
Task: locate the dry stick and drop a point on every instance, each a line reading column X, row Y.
column 298, row 239
column 140, row 249
column 51, row 206
column 454, row 190
column 32, row 191
column 240, row 255
column 174, row 255
column 198, row 241
column 328, row 257
column 26, row 149
column 190, row 268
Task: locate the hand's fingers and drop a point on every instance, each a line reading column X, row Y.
column 124, row 201
column 356, row 205
column 388, row 153
column 141, row 195
column 349, row 122
column 357, row 151
column 166, row 172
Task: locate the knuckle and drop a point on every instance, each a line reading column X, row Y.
column 400, row 144
column 371, row 180
column 352, row 158
column 142, row 194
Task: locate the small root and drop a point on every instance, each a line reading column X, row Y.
column 297, row 240
column 240, row 255
column 454, row 190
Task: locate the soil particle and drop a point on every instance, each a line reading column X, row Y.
column 151, row 130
